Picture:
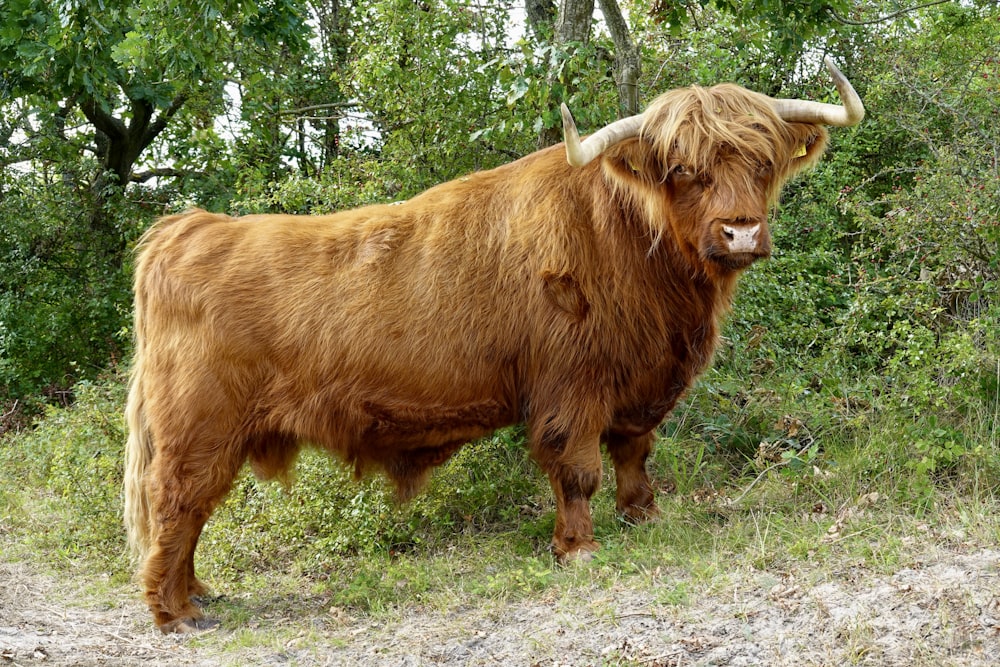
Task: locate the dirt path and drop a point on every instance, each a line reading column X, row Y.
column 944, row 611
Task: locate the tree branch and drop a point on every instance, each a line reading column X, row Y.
column 881, row 19
column 142, row 112
column 161, row 120
column 161, row 172
column 63, row 113
column 318, row 107
column 102, row 120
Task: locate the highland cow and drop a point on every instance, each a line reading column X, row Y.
column 581, row 297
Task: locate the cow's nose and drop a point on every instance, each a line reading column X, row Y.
column 741, row 238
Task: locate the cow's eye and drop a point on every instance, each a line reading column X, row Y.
column 680, row 170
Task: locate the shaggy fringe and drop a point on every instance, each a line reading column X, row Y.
column 690, row 125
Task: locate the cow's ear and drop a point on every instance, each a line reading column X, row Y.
column 635, row 159
column 808, row 142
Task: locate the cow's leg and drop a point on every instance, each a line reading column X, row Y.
column 573, row 464
column 573, row 537
column 634, row 494
column 196, row 589
column 185, row 486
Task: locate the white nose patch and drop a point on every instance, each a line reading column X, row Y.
column 740, row 239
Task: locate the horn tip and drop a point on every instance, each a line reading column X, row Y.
column 567, row 118
column 832, row 68
column 571, row 137
column 852, row 102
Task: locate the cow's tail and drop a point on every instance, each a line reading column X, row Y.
column 139, row 447
column 138, row 455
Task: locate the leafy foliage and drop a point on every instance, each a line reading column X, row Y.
column 783, row 25
column 65, row 476
column 63, row 307
column 427, row 82
column 326, row 516
column 537, row 78
column 928, row 241
column 91, row 86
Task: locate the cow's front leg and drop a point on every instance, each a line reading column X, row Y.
column 572, row 460
column 634, row 494
column 573, row 537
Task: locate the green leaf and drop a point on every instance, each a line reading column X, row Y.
column 130, row 50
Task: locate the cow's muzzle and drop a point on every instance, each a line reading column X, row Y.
column 741, row 238
column 738, row 243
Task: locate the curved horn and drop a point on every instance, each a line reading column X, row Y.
column 804, row 111
column 579, row 153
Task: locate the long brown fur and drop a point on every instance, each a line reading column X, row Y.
column 580, row 301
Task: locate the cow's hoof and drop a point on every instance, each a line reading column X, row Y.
column 579, row 558
column 634, row 515
column 187, row 626
column 581, row 555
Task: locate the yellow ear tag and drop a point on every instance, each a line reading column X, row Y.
column 631, row 165
column 801, row 152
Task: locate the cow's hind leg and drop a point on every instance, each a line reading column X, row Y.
column 634, row 493
column 184, row 491
column 197, row 590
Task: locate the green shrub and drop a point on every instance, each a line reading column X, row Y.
column 65, row 302
column 325, row 515
column 65, row 476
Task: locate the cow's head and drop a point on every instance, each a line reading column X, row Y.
column 708, row 163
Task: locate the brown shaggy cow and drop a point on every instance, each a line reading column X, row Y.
column 581, row 298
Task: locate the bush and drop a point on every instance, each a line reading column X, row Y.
column 325, row 515
column 65, row 302
column 65, row 476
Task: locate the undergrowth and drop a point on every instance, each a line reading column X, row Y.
column 754, row 472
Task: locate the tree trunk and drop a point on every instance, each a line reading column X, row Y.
column 628, row 59
column 119, row 147
column 541, row 17
column 573, row 21
column 572, row 26
column 332, row 30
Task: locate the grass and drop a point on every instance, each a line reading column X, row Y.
column 478, row 537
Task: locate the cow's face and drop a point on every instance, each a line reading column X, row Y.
column 719, row 213
column 704, row 165
column 727, row 154
column 713, row 162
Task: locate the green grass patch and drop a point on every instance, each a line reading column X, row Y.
column 822, row 483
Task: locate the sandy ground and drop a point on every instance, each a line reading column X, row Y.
column 943, row 611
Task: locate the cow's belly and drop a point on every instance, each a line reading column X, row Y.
column 352, row 416
column 402, row 424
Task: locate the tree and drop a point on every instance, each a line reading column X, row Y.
column 790, row 23
column 88, row 89
column 628, row 58
column 128, row 68
column 573, row 21
column 571, row 30
column 427, row 82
